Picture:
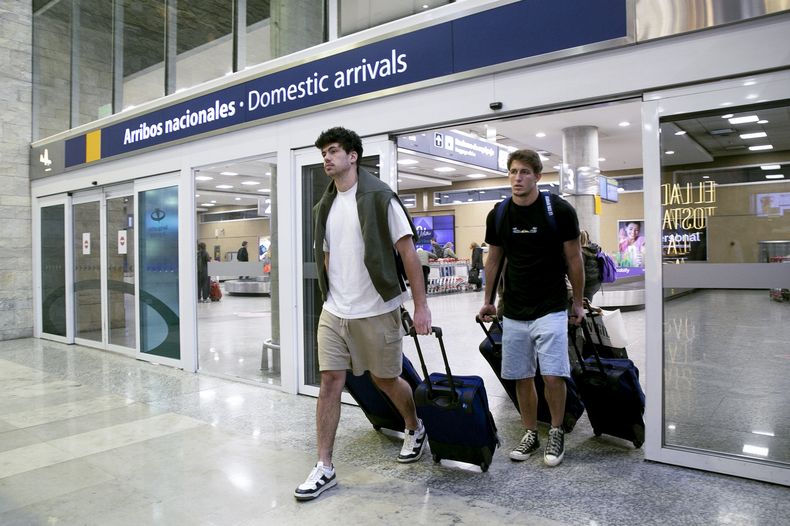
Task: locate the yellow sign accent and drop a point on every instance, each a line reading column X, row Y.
column 597, row 207
column 93, row 146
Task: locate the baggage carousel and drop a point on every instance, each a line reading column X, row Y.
column 248, row 286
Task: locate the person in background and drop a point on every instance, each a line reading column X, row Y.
column 425, row 259
column 243, row 255
column 448, row 251
column 477, row 265
column 202, row 273
column 360, row 324
column 438, row 251
column 592, row 270
column 535, row 319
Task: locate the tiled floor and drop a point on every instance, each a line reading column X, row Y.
column 88, row 437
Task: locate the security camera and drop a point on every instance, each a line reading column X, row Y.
column 495, row 106
column 94, row 183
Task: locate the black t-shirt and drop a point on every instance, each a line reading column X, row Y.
column 536, row 266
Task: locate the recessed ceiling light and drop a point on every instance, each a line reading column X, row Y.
column 755, row 135
column 475, row 176
column 266, row 190
column 728, row 116
column 744, row 119
column 681, row 132
column 407, row 162
column 207, row 204
column 198, row 195
column 706, row 176
column 224, row 186
column 444, row 169
column 601, row 159
column 770, row 167
column 203, row 178
column 228, row 173
column 267, row 173
column 761, row 147
column 762, row 121
column 670, row 152
column 623, row 124
column 540, row 135
column 237, row 198
column 774, row 176
column 250, row 183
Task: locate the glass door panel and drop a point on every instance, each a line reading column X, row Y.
column 722, row 215
column 121, row 312
column 53, row 270
column 87, row 271
column 158, row 272
column 314, row 181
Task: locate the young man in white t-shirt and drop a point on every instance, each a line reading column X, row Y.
column 360, row 326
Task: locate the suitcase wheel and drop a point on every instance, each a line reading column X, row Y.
column 436, row 458
column 638, row 444
column 484, row 466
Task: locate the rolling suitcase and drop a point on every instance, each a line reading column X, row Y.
column 611, row 394
column 454, row 410
column 491, row 349
column 374, row 403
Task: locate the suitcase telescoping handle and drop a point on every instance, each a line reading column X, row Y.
column 409, row 326
column 593, row 312
column 587, row 337
column 494, row 323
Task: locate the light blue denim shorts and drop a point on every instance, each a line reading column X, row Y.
column 526, row 342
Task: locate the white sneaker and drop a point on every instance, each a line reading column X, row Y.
column 319, row 480
column 413, row 444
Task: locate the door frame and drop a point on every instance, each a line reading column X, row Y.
column 386, row 149
column 704, row 97
column 90, row 196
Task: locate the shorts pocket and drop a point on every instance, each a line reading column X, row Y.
column 393, row 335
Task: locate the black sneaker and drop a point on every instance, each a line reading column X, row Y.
column 528, row 445
column 413, row 443
column 555, row 448
column 317, row 482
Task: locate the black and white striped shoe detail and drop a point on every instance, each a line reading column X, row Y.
column 317, row 482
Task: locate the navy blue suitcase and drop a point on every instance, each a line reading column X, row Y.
column 454, row 410
column 374, row 403
column 611, row 393
column 491, row 349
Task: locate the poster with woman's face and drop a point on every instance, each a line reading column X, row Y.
column 631, row 243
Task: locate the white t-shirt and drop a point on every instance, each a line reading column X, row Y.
column 351, row 291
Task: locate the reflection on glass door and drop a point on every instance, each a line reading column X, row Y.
column 158, row 273
column 86, row 239
column 53, row 270
column 725, row 249
column 314, row 182
column 121, row 312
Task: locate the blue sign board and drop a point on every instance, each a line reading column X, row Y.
column 515, row 31
column 456, row 146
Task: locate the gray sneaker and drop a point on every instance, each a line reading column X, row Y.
column 555, row 448
column 528, row 445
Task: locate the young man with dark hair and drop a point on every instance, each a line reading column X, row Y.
column 360, row 224
column 540, row 251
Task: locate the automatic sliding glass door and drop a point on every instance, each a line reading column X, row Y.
column 87, row 270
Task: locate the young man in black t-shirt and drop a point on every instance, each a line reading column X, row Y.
column 540, row 251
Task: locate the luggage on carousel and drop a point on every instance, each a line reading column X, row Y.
column 214, row 292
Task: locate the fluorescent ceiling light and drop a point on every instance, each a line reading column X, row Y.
column 761, row 147
column 681, row 132
column 540, row 135
column 237, row 198
column 770, row 167
column 728, row 116
column 207, row 204
column 706, row 176
column 224, row 186
column 406, row 162
column 444, row 169
column 764, row 433
column 476, row 176
column 228, row 173
column 775, row 176
column 762, row 121
column 623, row 124
column 264, row 190
column 755, row 450
column 670, row 152
column 250, row 183
column 755, row 135
column 743, row 120
column 197, row 195
column 203, row 178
